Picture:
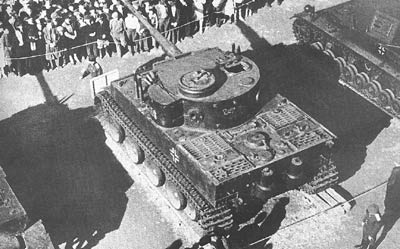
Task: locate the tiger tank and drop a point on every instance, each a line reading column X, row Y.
column 203, row 126
column 363, row 38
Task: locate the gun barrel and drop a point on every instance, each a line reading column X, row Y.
column 169, row 48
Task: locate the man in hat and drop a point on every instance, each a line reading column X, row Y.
column 93, row 68
column 117, row 31
column 371, row 226
column 90, row 35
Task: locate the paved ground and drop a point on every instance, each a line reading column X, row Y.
column 63, row 172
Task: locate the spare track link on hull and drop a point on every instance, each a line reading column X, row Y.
column 326, row 177
column 210, row 217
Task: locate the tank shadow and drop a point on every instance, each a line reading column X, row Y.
column 257, row 42
column 48, row 95
column 345, row 194
column 313, row 85
column 62, row 172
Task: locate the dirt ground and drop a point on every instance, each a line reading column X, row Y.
column 57, row 161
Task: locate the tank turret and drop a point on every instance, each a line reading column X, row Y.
column 200, row 127
column 363, row 37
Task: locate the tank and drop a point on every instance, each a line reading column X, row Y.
column 205, row 128
column 363, row 38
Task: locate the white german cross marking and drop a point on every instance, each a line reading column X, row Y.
column 174, row 155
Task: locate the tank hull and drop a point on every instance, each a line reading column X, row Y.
column 213, row 192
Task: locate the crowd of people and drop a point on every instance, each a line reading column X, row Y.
column 49, row 34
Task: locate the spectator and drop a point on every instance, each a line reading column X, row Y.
column 52, row 37
column 71, row 40
column 218, row 15
column 21, row 48
column 186, row 16
column 153, row 19
column 106, row 11
column 12, row 40
column 5, row 50
column 117, row 31
column 209, row 14
column 61, row 42
column 7, row 13
column 143, row 38
column 198, row 8
column 32, row 32
column 103, row 31
column 90, row 34
column 41, row 46
column 240, row 9
column 229, row 10
column 80, row 24
column 175, row 17
column 132, row 32
column 163, row 17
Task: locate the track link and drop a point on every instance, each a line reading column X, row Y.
column 210, row 217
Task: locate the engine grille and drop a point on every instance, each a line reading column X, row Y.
column 206, row 146
column 282, row 116
column 308, row 139
column 231, row 169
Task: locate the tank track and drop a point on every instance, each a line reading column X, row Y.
column 327, row 176
column 210, row 217
column 356, row 72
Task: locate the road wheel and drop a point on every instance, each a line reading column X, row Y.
column 350, row 72
column 384, row 98
column 134, row 151
column 393, row 100
column 317, row 45
column 155, row 174
column 191, row 212
column 396, row 106
column 341, row 63
column 114, row 131
column 329, row 53
column 391, row 94
column 361, row 81
column 175, row 197
column 374, row 87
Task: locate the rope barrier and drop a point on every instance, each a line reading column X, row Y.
column 319, row 213
column 133, row 41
